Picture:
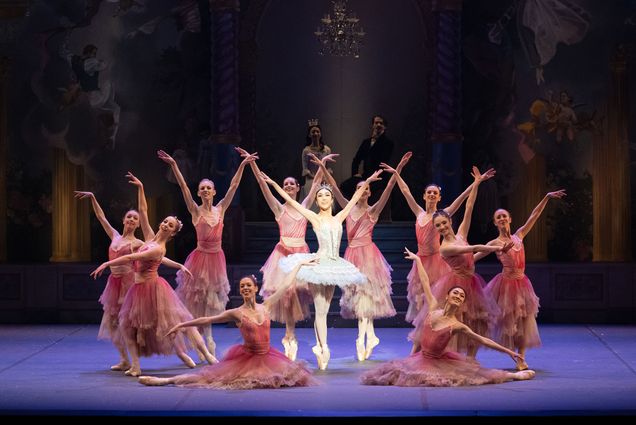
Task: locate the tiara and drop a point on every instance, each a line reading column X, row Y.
column 312, row 122
column 326, row 186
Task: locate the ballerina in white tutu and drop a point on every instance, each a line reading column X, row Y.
column 331, row 270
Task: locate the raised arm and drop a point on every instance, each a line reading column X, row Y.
column 536, row 213
column 426, row 285
column 272, row 202
column 342, row 201
column 99, row 213
column 452, row 208
column 404, row 188
column 287, row 282
column 143, row 207
column 342, row 215
column 377, row 208
column 315, row 184
column 185, row 191
column 486, row 341
column 234, row 184
column 311, row 216
column 470, row 202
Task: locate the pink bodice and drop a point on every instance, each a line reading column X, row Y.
column 514, row 260
column 463, row 265
column 113, row 254
column 427, row 237
column 359, row 232
column 255, row 336
column 209, row 231
column 434, row 342
column 146, row 269
column 291, row 227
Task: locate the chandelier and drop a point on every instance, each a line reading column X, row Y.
column 342, row 35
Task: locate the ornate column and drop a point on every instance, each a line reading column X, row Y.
column 611, row 180
column 445, row 98
column 12, row 14
column 70, row 218
column 225, row 114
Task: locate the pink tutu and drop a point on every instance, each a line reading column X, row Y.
column 519, row 308
column 251, row 365
column 112, row 299
column 435, row 268
column 373, row 300
column 434, row 366
column 151, row 308
column 294, row 305
column 206, row 293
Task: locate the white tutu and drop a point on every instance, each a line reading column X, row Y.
column 329, row 271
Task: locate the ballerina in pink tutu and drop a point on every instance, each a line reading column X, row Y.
column 428, row 240
column 254, row 364
column 120, row 279
column 434, row 365
column 480, row 312
column 332, row 270
column 511, row 289
column 151, row 306
column 373, row 300
column 294, row 305
column 206, row 292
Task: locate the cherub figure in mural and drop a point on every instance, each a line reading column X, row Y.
column 101, row 95
column 561, row 116
column 541, row 25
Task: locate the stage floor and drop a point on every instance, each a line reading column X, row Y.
column 64, row 370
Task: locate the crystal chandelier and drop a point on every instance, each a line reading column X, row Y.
column 340, row 36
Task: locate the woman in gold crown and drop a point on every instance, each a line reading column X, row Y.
column 316, row 146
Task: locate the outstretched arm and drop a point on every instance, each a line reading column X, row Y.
column 173, row 264
column 426, row 285
column 289, row 279
column 452, row 208
column 487, row 341
column 448, row 250
column 311, row 216
column 99, row 213
column 143, row 207
column 342, row 215
column 185, row 191
column 536, row 213
column 377, row 208
column 149, row 254
column 234, row 184
column 481, row 254
column 271, row 200
column 342, row 201
column 227, row 316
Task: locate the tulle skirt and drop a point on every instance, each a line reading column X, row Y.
column 519, row 307
column 151, row 309
column 206, row 293
column 328, row 272
column 112, row 299
column 243, row 369
column 419, row 370
column 372, row 300
column 435, row 268
column 294, row 305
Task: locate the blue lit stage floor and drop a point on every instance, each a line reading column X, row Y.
column 64, row 370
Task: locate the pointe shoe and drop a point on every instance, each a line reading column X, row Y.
column 525, row 374
column 360, row 349
column 318, row 353
column 122, row 365
column 293, row 349
column 326, row 355
column 187, row 360
column 133, row 371
column 286, row 345
column 150, row 380
column 201, row 356
column 211, row 346
column 522, row 365
column 371, row 344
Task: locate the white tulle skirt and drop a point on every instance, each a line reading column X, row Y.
column 328, row 271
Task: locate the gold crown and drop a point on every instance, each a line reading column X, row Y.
column 326, row 186
column 312, row 122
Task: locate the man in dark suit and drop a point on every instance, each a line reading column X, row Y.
column 374, row 150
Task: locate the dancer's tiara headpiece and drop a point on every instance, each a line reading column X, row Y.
column 326, row 186
column 312, row 122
